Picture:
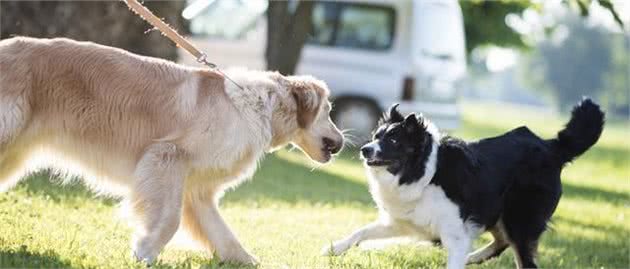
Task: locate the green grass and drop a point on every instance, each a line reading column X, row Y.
column 290, row 210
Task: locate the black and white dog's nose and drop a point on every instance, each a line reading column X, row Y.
column 367, row 151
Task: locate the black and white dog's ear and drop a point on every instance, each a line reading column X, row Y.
column 394, row 115
column 411, row 123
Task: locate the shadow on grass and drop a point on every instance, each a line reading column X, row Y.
column 23, row 258
column 46, row 184
column 618, row 157
column 608, row 249
column 197, row 262
column 276, row 179
column 279, row 179
column 593, row 194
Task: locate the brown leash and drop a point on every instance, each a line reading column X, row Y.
column 169, row 32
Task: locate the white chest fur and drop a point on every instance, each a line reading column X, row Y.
column 425, row 208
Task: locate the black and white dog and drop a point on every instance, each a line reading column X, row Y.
column 450, row 190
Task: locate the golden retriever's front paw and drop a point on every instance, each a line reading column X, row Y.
column 144, row 253
column 241, row 257
column 335, row 249
column 250, row 260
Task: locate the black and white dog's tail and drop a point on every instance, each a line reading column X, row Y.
column 581, row 132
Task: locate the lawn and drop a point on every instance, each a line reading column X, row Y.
column 292, row 208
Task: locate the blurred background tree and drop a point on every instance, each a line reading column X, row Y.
column 105, row 22
column 288, row 26
column 574, row 63
column 617, row 79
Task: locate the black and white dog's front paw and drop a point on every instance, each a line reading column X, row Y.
column 336, row 248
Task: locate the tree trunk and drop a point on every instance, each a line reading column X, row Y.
column 286, row 34
column 106, row 22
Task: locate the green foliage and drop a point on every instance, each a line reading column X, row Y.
column 484, row 20
column 607, row 4
column 290, row 210
column 576, row 66
column 484, row 23
column 617, row 80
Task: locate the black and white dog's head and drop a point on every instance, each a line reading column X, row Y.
column 406, row 147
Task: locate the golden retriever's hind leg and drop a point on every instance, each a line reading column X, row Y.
column 202, row 220
column 157, row 200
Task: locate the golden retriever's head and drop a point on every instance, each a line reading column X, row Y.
column 307, row 122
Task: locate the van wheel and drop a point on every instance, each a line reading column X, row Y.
column 359, row 117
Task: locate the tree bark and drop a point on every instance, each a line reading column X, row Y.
column 286, row 34
column 105, row 22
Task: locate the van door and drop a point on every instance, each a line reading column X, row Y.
column 438, row 49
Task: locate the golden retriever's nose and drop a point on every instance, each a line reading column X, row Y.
column 331, row 145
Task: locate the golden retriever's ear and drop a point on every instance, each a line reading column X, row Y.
column 308, row 99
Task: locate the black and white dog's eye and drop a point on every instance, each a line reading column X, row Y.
column 394, row 141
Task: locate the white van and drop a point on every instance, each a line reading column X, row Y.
column 371, row 53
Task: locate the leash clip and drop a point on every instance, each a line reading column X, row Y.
column 202, row 59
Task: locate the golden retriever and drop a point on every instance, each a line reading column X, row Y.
column 168, row 138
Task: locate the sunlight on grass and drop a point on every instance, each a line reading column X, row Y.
column 292, row 208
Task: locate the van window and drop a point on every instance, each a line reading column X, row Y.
column 324, row 20
column 365, row 27
column 360, row 26
column 229, row 19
